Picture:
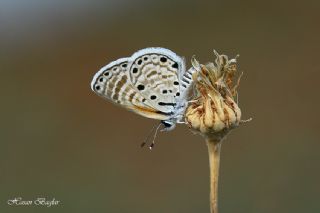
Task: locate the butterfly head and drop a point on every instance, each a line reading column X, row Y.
column 168, row 125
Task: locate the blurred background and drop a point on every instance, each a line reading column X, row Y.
column 60, row 140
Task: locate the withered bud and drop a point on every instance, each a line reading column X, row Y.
column 214, row 110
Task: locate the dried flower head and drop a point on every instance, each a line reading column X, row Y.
column 214, row 110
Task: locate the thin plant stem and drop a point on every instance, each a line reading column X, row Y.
column 214, row 148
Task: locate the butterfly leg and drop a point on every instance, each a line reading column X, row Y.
column 181, row 122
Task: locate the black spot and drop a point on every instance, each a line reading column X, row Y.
column 101, row 79
column 185, row 80
column 140, row 87
column 165, row 91
column 98, row 87
column 124, row 65
column 170, row 91
column 165, row 113
column 152, row 97
column 135, row 70
column 166, row 104
column 187, row 76
column 143, row 100
column 139, row 62
column 114, row 69
column 178, row 94
column 145, row 58
column 163, row 59
column 176, row 83
column 175, row 65
column 106, row 73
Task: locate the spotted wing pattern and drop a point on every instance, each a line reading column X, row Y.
column 152, row 82
column 112, row 82
column 155, row 73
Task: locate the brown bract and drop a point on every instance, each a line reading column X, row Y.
column 214, row 110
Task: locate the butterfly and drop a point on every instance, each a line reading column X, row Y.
column 153, row 82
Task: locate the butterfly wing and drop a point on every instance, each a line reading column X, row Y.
column 156, row 73
column 112, row 82
column 186, row 82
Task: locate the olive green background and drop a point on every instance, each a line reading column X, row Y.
column 60, row 140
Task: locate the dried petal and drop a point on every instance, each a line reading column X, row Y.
column 213, row 112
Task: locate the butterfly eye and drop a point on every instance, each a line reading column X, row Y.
column 106, row 74
column 101, row 79
column 98, row 87
column 145, row 58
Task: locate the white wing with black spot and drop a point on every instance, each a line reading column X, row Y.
column 112, row 82
column 156, row 74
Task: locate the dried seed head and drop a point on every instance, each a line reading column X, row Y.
column 214, row 110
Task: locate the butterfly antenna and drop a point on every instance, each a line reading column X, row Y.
column 148, row 137
column 154, row 137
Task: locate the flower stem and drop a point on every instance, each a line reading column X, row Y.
column 214, row 147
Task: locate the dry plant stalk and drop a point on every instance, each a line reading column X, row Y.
column 214, row 111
